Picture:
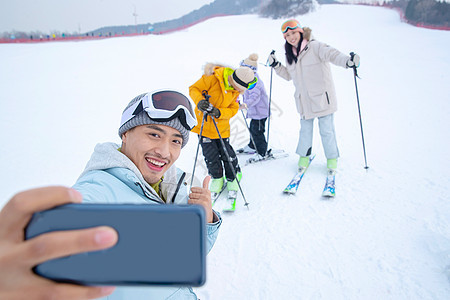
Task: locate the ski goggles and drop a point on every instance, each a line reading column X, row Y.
column 163, row 106
column 290, row 24
column 248, row 86
column 243, row 64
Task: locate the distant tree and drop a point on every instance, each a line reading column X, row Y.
column 397, row 3
column 429, row 12
column 286, row 8
column 20, row 34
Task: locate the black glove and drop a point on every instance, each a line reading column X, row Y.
column 272, row 60
column 204, row 106
column 215, row 112
column 207, row 107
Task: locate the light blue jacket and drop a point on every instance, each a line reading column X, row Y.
column 111, row 177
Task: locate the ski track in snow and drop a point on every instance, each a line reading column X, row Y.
column 343, row 243
column 386, row 234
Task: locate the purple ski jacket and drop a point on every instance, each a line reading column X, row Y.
column 257, row 101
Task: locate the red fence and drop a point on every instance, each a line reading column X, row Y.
column 98, row 37
column 87, row 37
column 403, row 18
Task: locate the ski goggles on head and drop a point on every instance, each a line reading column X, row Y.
column 243, row 64
column 248, row 86
column 289, row 24
column 163, row 106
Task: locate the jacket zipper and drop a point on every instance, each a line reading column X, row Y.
column 146, row 194
column 328, row 99
column 178, row 186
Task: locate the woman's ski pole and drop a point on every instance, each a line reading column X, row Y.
column 355, row 74
column 270, row 100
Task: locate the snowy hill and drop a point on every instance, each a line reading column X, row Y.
column 386, row 235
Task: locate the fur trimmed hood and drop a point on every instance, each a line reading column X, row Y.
column 307, row 33
column 209, row 68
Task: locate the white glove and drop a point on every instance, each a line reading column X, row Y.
column 272, row 60
column 353, row 61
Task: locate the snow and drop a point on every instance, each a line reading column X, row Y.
column 386, row 235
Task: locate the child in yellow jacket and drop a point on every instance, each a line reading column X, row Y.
column 223, row 85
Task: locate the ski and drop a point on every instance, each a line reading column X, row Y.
column 329, row 190
column 292, row 187
column 215, row 196
column 231, row 201
column 273, row 151
column 269, row 156
column 243, row 152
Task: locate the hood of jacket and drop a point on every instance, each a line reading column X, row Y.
column 221, row 72
column 307, row 33
column 210, row 68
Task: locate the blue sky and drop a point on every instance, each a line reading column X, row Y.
column 85, row 15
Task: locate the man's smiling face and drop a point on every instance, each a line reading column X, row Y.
column 153, row 149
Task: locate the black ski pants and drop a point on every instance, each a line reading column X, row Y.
column 216, row 159
column 257, row 129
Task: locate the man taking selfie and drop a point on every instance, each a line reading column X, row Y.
column 154, row 128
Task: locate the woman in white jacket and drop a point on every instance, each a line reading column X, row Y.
column 307, row 65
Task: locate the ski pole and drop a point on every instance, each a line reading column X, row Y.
column 198, row 146
column 205, row 94
column 249, row 131
column 229, row 159
column 270, row 101
column 355, row 74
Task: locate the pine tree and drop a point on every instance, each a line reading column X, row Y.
column 429, row 12
column 286, row 8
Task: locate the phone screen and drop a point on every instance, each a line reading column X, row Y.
column 158, row 244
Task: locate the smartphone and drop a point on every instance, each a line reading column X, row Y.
column 158, row 244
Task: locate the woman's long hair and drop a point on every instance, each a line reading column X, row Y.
column 290, row 56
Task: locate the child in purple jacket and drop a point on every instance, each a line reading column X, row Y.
column 257, row 104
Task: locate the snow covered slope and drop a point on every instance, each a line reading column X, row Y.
column 386, row 235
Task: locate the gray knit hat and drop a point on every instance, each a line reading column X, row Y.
column 143, row 119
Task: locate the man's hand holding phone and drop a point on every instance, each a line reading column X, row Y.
column 18, row 257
